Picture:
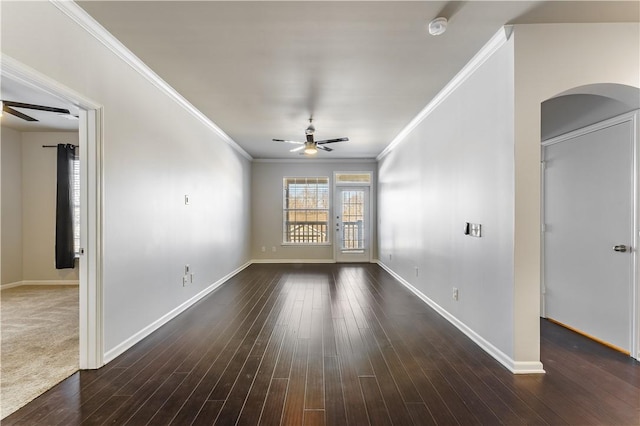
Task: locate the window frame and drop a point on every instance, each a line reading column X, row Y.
column 75, row 203
column 328, row 241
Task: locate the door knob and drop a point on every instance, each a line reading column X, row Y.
column 620, row 248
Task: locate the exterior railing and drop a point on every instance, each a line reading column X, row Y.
column 352, row 235
column 306, row 232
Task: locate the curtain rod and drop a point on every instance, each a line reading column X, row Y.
column 55, row 146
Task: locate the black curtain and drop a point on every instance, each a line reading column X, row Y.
column 65, row 256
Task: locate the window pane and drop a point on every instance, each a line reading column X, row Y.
column 306, row 210
column 353, row 177
column 75, row 202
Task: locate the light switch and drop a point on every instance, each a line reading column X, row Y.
column 473, row 229
column 186, row 200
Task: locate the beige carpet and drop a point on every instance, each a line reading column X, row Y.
column 39, row 326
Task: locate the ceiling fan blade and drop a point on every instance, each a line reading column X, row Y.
column 324, row 148
column 332, row 141
column 18, row 114
column 282, row 140
column 35, row 107
column 296, row 149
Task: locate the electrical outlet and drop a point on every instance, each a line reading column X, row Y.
column 191, row 278
column 186, row 200
column 185, row 281
column 186, row 269
column 390, row 256
column 455, row 293
column 417, row 271
column 273, row 249
column 264, row 249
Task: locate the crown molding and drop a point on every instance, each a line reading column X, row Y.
column 316, row 161
column 18, row 72
column 90, row 25
column 498, row 39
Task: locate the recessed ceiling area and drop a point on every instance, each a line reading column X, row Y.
column 362, row 70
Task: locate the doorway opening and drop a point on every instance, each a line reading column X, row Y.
column 89, row 123
column 590, row 213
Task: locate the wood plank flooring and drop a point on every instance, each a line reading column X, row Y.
column 335, row 345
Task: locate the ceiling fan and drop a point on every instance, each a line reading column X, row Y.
column 8, row 107
column 311, row 146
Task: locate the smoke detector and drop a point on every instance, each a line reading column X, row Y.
column 438, row 26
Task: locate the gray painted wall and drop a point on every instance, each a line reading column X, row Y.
column 11, row 204
column 266, row 207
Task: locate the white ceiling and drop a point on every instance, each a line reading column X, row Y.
column 11, row 90
column 361, row 69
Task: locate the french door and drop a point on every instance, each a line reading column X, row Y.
column 352, row 227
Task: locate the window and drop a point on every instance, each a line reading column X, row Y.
column 306, row 210
column 353, row 178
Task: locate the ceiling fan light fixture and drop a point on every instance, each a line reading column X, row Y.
column 438, row 26
column 310, row 148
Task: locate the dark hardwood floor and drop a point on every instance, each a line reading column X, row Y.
column 335, row 345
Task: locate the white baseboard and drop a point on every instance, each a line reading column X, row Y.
column 293, row 261
column 137, row 337
column 39, row 282
column 516, row 367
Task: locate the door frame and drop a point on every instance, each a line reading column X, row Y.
column 336, row 186
column 90, row 132
column 634, row 118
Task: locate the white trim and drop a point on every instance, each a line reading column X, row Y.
column 497, row 41
column 39, row 282
column 516, row 367
column 91, row 326
column 635, row 288
column 91, row 26
column 293, row 261
column 137, row 337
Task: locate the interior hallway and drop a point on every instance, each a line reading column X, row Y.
column 335, row 344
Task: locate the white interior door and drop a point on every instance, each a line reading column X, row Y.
column 352, row 242
column 588, row 238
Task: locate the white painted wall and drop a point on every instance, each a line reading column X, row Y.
column 549, row 60
column 266, row 207
column 457, row 166
column 11, row 193
column 458, row 184
column 154, row 153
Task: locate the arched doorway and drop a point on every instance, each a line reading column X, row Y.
column 590, row 220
